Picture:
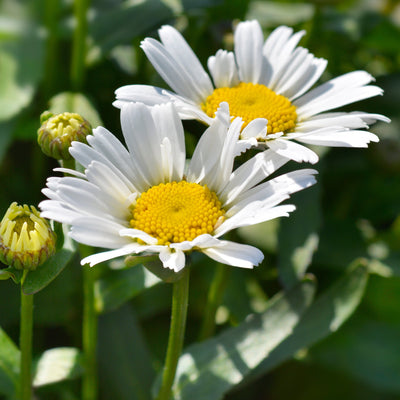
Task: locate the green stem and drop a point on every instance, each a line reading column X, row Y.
column 214, row 300
column 79, row 44
column 180, row 297
column 89, row 336
column 26, row 344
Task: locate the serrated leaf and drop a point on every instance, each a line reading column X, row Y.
column 119, row 286
column 50, row 269
column 77, row 103
column 9, row 364
column 209, row 369
column 56, row 365
column 329, row 311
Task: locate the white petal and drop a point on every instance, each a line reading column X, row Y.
column 223, row 69
column 251, row 173
column 257, row 128
column 248, row 39
column 138, row 234
column 338, row 138
column 278, row 50
column 351, row 120
column 170, row 131
column 209, row 147
column 149, row 95
column 174, row 71
column 144, row 141
column 202, row 241
column 337, row 92
column 98, row 232
column 184, row 55
column 174, row 260
column 235, row 254
column 294, row 151
column 132, row 248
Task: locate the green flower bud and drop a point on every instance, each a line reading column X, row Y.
column 26, row 239
column 58, row 131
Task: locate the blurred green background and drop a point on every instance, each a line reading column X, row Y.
column 353, row 212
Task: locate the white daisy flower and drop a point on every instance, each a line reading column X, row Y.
column 269, row 80
column 141, row 199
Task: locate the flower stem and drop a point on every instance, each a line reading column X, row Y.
column 180, row 297
column 25, row 342
column 89, row 336
column 79, row 44
column 214, row 299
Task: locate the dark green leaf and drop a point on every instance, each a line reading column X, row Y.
column 209, row 369
column 124, row 361
column 47, row 272
column 56, row 365
column 119, row 25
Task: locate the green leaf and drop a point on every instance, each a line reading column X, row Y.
column 125, row 366
column 77, row 103
column 56, row 365
column 298, row 237
column 13, row 94
column 119, row 286
column 330, row 310
column 209, row 369
column 120, row 24
column 9, row 364
column 270, row 13
column 387, row 267
column 364, row 350
column 6, row 131
column 47, row 272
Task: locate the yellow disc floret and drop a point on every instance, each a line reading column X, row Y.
column 177, row 211
column 250, row 101
column 26, row 239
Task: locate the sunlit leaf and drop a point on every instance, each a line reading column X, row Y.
column 9, row 364
column 298, row 237
column 209, row 369
column 75, row 102
column 56, row 365
column 329, row 311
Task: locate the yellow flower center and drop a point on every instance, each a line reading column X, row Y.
column 177, row 211
column 250, row 101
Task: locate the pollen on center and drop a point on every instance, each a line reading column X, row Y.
column 250, row 101
column 177, row 211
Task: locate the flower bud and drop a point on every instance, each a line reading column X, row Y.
column 26, row 239
column 58, row 131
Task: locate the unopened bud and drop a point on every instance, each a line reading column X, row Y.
column 58, row 131
column 26, row 239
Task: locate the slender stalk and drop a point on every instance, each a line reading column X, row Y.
column 25, row 342
column 89, row 336
column 214, row 299
column 79, row 44
column 180, row 297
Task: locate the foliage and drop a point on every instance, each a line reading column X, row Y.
column 285, row 314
